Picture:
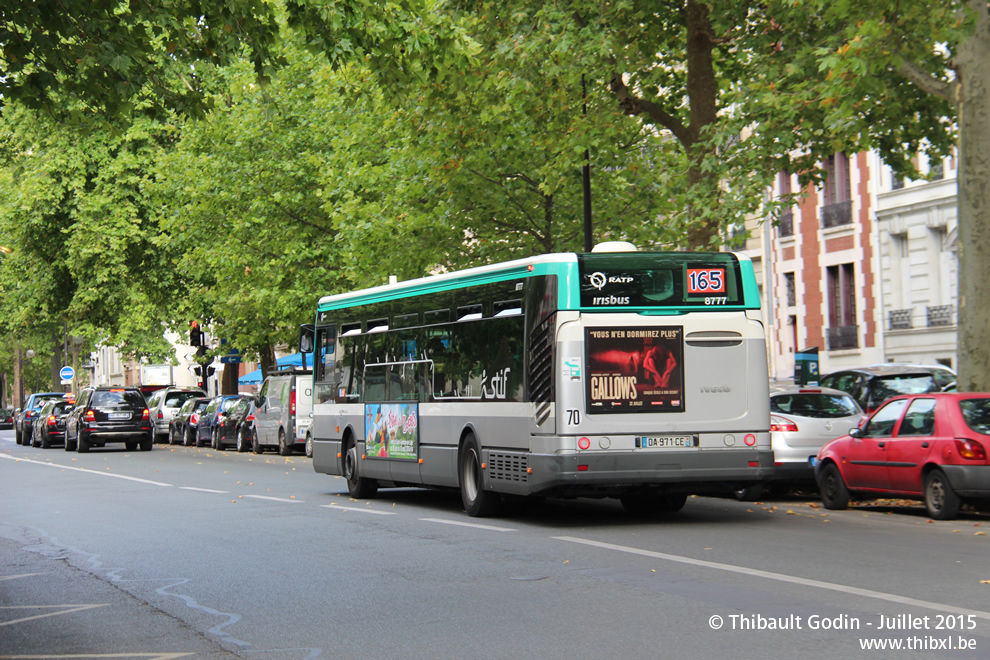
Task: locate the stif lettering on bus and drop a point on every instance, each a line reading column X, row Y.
column 498, row 384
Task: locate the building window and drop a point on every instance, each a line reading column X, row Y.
column 842, row 332
column 790, row 290
column 837, row 208
column 938, row 171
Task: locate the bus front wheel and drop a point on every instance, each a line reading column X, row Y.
column 478, row 502
column 359, row 487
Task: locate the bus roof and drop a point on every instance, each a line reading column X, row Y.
column 527, row 267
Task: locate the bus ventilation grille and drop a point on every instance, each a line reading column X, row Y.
column 541, row 368
column 507, row 467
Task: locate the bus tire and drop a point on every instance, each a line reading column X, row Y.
column 359, row 487
column 478, row 502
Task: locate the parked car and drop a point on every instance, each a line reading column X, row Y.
column 945, row 377
column 871, row 386
column 32, row 407
column 49, row 428
column 109, row 414
column 236, row 425
column 802, row 419
column 184, row 425
column 209, row 417
column 166, row 402
column 931, row 447
column 282, row 419
column 6, row 418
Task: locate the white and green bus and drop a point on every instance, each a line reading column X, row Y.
column 635, row 375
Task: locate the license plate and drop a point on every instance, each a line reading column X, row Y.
column 666, row 441
column 121, row 415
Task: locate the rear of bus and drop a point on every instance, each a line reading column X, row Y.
column 661, row 383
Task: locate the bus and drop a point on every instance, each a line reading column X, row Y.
column 617, row 373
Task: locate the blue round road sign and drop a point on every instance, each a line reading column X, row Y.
column 66, row 373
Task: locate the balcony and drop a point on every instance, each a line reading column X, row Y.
column 900, row 319
column 837, row 215
column 786, row 225
column 940, row 315
column 842, row 337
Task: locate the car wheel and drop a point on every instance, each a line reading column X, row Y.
column 832, row 488
column 478, row 502
column 284, row 448
column 940, row 499
column 750, row 493
column 18, row 436
column 255, row 445
column 359, row 487
column 148, row 443
column 82, row 444
column 309, row 445
column 130, row 445
column 215, row 441
column 46, row 441
column 242, row 444
column 70, row 445
column 35, row 440
column 188, row 439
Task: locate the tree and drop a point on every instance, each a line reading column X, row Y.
column 108, row 56
column 901, row 77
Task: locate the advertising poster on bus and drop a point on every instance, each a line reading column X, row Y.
column 635, row 369
column 391, row 430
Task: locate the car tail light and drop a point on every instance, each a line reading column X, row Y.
column 778, row 423
column 52, row 421
column 145, row 415
column 292, row 403
column 161, row 415
column 194, row 418
column 971, row 449
column 249, row 418
column 90, row 416
column 29, row 413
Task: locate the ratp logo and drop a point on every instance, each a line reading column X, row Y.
column 598, row 280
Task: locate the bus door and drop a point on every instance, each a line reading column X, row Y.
column 392, row 395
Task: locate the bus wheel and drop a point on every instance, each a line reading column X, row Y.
column 359, row 487
column 478, row 502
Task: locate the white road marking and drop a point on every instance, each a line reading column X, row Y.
column 14, row 577
column 273, row 499
column 459, row 523
column 831, row 586
column 203, row 490
column 91, row 656
column 359, row 510
column 67, row 467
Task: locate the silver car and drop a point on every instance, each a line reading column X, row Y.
column 801, row 421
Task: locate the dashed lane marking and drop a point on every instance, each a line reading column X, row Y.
column 90, row 656
column 458, row 523
column 68, row 467
column 203, row 490
column 14, row 577
column 273, row 499
column 780, row 577
column 357, row 509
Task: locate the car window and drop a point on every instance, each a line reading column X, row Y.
column 176, row 399
column 881, row 425
column 155, row 398
column 815, row 404
column 229, row 403
column 116, row 399
column 885, row 387
column 976, row 413
column 919, row 420
column 201, row 405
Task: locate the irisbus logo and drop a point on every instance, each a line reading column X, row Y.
column 715, row 389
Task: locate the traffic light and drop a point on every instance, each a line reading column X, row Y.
column 195, row 334
column 210, row 371
column 198, row 371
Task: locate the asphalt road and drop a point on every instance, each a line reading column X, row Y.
column 184, row 552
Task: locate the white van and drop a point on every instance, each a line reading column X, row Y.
column 283, row 416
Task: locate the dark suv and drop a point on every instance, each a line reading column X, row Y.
column 871, row 386
column 109, row 414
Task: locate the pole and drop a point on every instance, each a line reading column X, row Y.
column 586, row 175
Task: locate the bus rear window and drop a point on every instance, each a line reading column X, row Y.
column 644, row 279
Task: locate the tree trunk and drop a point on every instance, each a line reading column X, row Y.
column 266, row 355
column 703, row 111
column 231, row 372
column 973, row 179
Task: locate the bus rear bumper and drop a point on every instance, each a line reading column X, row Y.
column 614, row 474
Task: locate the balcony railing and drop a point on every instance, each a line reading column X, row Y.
column 940, row 315
column 900, row 319
column 786, row 226
column 838, row 214
column 842, row 337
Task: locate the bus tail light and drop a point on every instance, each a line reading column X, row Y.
column 582, row 468
column 970, row 449
column 584, row 443
column 750, row 439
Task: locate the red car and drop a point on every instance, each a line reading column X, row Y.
column 931, row 447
